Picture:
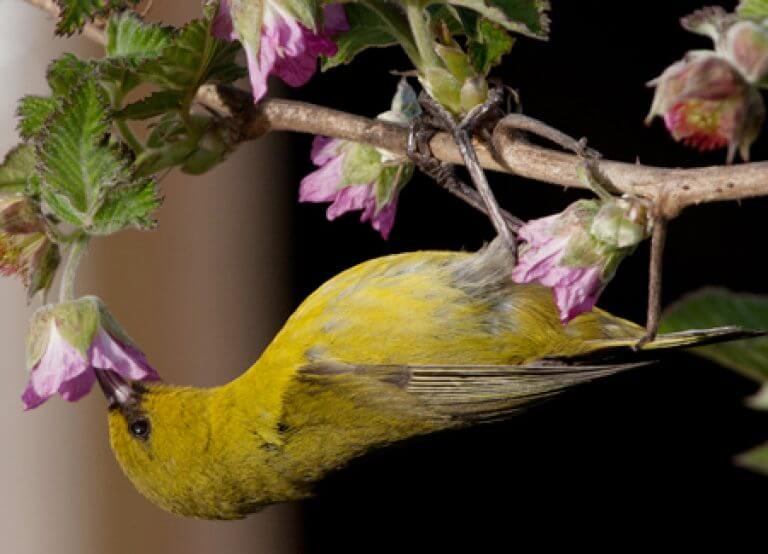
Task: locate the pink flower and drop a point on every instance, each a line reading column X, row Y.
column 710, row 98
column 327, row 185
column 706, row 103
column 576, row 252
column 283, row 46
column 69, row 343
column 355, row 176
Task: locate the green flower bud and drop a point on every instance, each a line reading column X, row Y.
column 622, row 223
column 474, row 92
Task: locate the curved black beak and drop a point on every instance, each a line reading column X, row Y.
column 117, row 390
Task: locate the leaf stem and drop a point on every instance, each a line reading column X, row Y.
column 74, row 256
column 122, row 125
column 127, row 135
column 422, row 34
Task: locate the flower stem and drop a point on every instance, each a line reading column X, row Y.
column 75, row 255
column 425, row 42
column 122, row 125
column 127, row 135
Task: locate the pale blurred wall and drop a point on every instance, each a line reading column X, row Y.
column 202, row 296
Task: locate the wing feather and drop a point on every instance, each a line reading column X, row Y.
column 469, row 392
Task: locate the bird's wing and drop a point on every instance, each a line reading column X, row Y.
column 463, row 392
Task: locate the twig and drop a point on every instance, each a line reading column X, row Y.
column 658, row 241
column 684, row 187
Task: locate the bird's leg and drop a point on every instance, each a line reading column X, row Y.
column 461, row 133
column 419, row 135
column 658, row 240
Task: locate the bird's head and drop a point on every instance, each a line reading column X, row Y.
column 164, row 440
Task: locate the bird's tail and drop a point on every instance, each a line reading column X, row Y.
column 627, row 348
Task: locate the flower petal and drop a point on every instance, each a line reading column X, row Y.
column 60, row 363
column 324, row 149
column 74, row 389
column 579, row 293
column 322, row 185
column 31, row 399
column 350, row 198
column 298, row 60
column 537, row 260
column 384, row 219
column 260, row 66
column 222, row 26
column 334, row 20
column 130, row 363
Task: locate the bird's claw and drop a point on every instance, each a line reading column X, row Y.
column 420, row 133
column 485, row 116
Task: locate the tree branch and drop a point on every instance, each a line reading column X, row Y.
column 510, row 153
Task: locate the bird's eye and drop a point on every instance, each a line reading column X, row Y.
column 140, row 428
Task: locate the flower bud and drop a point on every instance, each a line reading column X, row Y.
column 441, row 85
column 474, row 92
column 19, row 215
column 32, row 256
column 622, row 222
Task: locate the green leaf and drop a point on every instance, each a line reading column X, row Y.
column 527, row 17
column 76, row 163
column 753, row 9
column 755, row 459
column 16, row 169
column 716, row 307
column 194, row 57
column 76, row 13
column 489, row 45
column 33, row 112
column 129, row 37
column 371, row 25
column 130, row 43
column 65, row 73
column 127, row 206
column 153, row 105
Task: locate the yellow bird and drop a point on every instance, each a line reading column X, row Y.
column 394, row 347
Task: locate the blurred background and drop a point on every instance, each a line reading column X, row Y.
column 640, row 458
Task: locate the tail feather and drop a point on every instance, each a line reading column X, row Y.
column 627, row 348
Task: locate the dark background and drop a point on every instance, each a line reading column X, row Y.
column 647, row 454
